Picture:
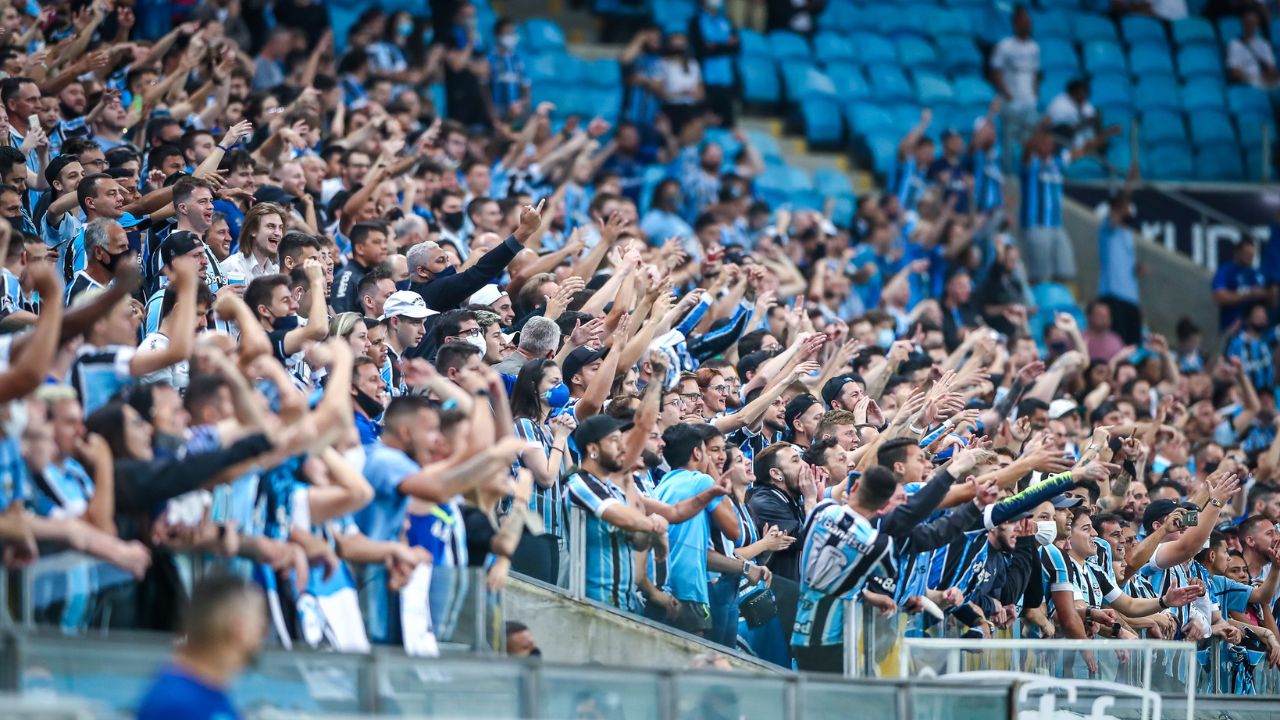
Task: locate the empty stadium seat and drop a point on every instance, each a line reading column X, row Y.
column 806, row 83
column 752, row 44
column 1150, row 59
column 884, row 153
column 822, row 122
column 972, row 90
column 1246, row 100
column 766, row 145
column 958, row 53
column 1199, row 61
column 1202, row 93
column 785, row 45
column 759, row 80
column 1193, row 31
column 1103, row 56
column 1157, row 92
column 542, row 35
column 933, row 89
column 1219, row 165
column 948, row 22
column 849, row 82
column 1228, row 29
column 541, row 68
column 1049, row 24
column 898, row 21
column 873, row 49
column 915, row 53
column 1093, row 28
column 1086, row 168
column 843, row 17
column 570, row 69
column 866, row 119
column 1251, row 128
column 1172, row 162
column 1058, row 55
column 604, row 72
column 832, row 183
column 1212, row 127
column 830, row 47
column 1111, row 90
column 1139, row 29
column 889, row 83
column 1162, row 127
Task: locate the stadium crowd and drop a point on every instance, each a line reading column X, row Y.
column 271, row 308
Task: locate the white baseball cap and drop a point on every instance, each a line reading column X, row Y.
column 1060, row 407
column 406, row 303
column 486, row 295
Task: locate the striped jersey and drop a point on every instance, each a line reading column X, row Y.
column 1056, row 576
column 1255, row 357
column 1042, row 191
column 962, row 564
column 549, row 502
column 988, row 180
column 610, row 569
column 98, row 373
column 1165, row 579
column 841, row 550
column 908, row 183
column 751, row 442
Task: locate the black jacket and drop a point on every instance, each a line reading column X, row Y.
column 770, row 505
column 345, row 283
column 451, row 289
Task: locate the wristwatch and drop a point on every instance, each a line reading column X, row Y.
column 1215, row 502
column 1163, row 605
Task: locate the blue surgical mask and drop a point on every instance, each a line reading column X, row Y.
column 885, row 338
column 405, row 28
column 557, row 397
column 288, row 322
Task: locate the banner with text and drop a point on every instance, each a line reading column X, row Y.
column 1182, row 228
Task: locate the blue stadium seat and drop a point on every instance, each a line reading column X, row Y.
column 1119, row 153
column 988, row 23
column 813, row 84
column 753, row 44
column 829, row 47
column 806, row 200
column 1049, row 24
column 1160, row 127
column 915, row 53
column 541, row 68
column 947, row 22
column 843, row 211
column 1193, row 31
column 1058, row 55
column 1139, row 29
column 1219, row 165
column 604, row 72
column 933, row 89
column 794, row 78
column 1056, row 82
column 784, row 44
column 1111, row 90
column 759, row 80
column 1251, row 128
column 1212, row 127
column 1053, row 297
column 1255, row 168
column 795, row 179
column 570, row 69
column 883, row 148
column 866, row 119
column 822, row 122
column 724, row 138
column 1103, row 56
column 843, row 17
column 972, row 90
column 958, row 53
column 1246, row 100
column 1086, row 168
column 1149, row 59
column 765, row 144
column 1203, row 93
column 1063, row 4
column 1228, row 29
column 849, row 82
column 673, row 15
column 542, row 35
column 1093, row 28
column 1199, row 61
column 905, row 116
column 889, row 83
column 898, row 21
column 873, row 49
column 832, row 183
column 1157, row 92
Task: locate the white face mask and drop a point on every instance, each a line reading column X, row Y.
column 478, row 341
column 1046, row 532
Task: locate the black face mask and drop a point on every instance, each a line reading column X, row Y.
column 452, row 220
column 286, row 323
column 1210, row 468
column 113, row 261
column 368, row 405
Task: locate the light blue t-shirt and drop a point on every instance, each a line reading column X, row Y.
column 687, row 562
column 1119, row 260
column 385, row 468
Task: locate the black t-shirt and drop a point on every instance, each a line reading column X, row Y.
column 480, row 534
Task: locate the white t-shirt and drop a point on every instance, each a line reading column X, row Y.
column 1169, row 9
column 176, row 375
column 1019, row 63
column 680, row 82
column 1064, row 111
column 1249, row 58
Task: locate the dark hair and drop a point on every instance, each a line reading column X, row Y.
column 56, row 166
column 525, row 398
column 875, row 487
column 681, row 440
column 360, row 232
column 766, row 460
column 292, row 244
column 108, row 421
column 88, row 187
column 186, row 187
column 157, row 156
column 202, row 388
column 894, row 451
column 816, row 454
column 259, row 290
column 1101, row 518
column 454, row 355
column 405, row 408
column 204, row 296
column 208, row 598
column 1028, row 406
column 235, row 160
column 450, row 322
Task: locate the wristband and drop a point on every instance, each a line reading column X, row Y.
column 916, row 430
column 1163, row 605
column 223, row 148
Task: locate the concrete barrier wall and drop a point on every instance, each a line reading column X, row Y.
column 571, row 631
column 1173, row 287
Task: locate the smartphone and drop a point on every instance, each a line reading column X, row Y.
column 33, row 121
column 1191, row 518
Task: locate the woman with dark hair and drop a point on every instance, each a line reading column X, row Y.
column 539, row 392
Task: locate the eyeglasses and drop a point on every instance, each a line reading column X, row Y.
column 688, row 398
column 472, row 332
column 722, row 389
column 95, row 163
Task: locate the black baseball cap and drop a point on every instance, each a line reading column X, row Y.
column 1062, row 502
column 831, row 389
column 178, row 243
column 1159, row 509
column 797, row 407
column 579, row 357
column 596, row 427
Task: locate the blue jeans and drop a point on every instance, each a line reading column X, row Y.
column 722, row 597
